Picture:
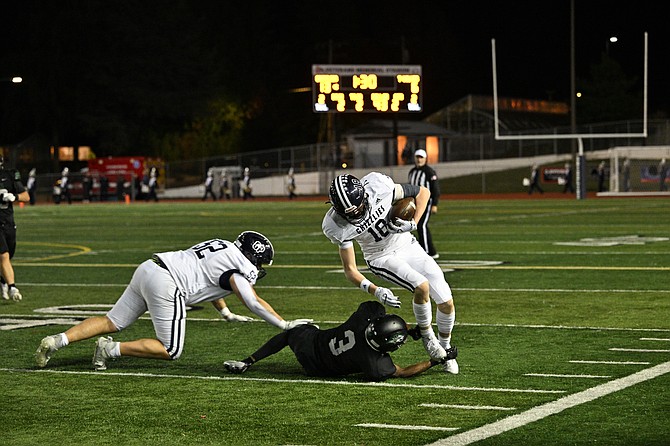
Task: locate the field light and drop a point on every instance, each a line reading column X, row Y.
column 17, row 80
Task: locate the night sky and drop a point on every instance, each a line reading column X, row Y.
column 121, row 75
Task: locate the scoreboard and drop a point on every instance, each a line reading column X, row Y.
column 366, row 88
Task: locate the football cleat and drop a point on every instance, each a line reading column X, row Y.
column 236, row 367
column 434, row 349
column 15, row 294
column 101, row 355
column 450, row 365
column 44, row 351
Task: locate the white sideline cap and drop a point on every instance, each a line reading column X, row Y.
column 421, row 153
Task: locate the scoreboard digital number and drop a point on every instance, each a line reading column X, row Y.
column 366, row 88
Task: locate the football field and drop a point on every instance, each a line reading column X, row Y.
column 562, row 328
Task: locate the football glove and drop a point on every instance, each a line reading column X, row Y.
column 399, row 226
column 386, row 297
column 287, row 325
column 415, row 333
column 8, row 197
column 232, row 317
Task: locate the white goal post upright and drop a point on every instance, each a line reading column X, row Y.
column 581, row 162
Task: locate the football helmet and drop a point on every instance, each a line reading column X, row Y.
column 386, row 333
column 348, row 198
column 256, row 247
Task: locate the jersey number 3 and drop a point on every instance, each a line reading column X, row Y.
column 337, row 347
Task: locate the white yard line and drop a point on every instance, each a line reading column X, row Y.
column 407, row 427
column 277, row 380
column 637, row 350
column 464, row 407
column 556, row 375
column 551, row 408
column 655, row 339
column 576, row 361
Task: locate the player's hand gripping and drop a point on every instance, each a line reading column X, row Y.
column 287, row 325
column 8, row 197
column 386, row 297
column 399, row 226
column 232, row 317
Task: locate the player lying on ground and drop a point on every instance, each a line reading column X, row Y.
column 360, row 345
column 165, row 285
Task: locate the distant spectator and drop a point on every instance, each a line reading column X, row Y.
column 87, row 184
column 153, row 184
column 224, row 186
column 568, row 187
column 626, row 175
column 246, row 184
column 120, row 187
column 65, row 186
column 601, row 172
column 104, row 188
column 31, row 185
column 535, row 180
column 662, row 175
column 209, row 185
column 291, row 184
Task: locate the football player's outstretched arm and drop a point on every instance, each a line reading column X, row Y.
column 351, row 272
column 243, row 289
column 412, row 370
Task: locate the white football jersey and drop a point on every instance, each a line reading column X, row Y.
column 372, row 234
column 197, row 270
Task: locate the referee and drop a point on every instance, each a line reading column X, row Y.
column 424, row 175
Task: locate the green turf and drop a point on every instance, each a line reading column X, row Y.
column 535, row 301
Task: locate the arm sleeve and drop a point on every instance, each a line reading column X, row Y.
column 248, row 295
column 405, row 190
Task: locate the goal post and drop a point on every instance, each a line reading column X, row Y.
column 581, row 159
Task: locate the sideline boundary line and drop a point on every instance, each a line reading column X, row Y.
column 552, row 408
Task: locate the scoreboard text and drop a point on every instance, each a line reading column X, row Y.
column 366, row 88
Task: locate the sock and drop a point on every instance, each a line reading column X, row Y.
column 115, row 350
column 61, row 340
column 424, row 317
column 445, row 323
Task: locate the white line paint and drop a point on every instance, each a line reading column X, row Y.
column 551, row 408
column 462, row 324
column 276, row 380
column 655, row 339
column 556, row 375
column 611, row 362
column 406, row 427
column 320, row 287
column 464, row 407
column 637, row 350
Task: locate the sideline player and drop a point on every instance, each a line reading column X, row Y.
column 11, row 189
column 360, row 345
column 359, row 212
column 165, row 285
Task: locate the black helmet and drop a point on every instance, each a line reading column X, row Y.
column 348, row 198
column 256, row 247
column 386, row 333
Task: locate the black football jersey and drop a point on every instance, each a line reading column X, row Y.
column 343, row 350
column 10, row 182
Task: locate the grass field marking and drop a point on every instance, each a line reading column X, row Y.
column 637, row 350
column 655, row 339
column 283, row 381
column 464, row 407
column 551, row 408
column 463, row 324
column 558, row 375
column 577, row 361
column 406, row 427
column 81, row 250
column 335, row 268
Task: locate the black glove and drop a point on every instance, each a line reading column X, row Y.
column 415, row 333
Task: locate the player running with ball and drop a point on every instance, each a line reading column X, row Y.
column 360, row 211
